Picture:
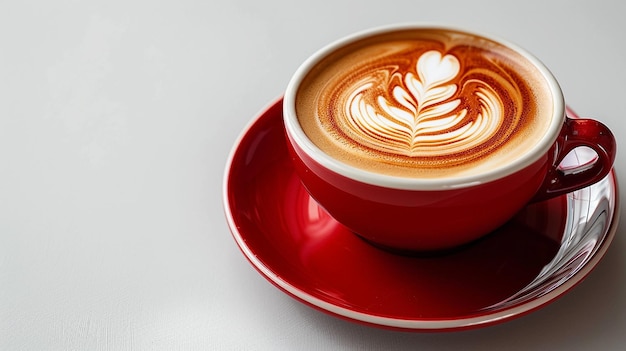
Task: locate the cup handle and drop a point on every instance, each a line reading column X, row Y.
column 575, row 133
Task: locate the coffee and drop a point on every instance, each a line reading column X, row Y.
column 425, row 103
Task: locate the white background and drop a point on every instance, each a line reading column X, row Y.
column 116, row 119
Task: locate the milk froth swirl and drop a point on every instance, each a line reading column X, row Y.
column 430, row 106
column 418, row 114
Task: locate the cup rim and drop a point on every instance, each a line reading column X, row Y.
column 298, row 136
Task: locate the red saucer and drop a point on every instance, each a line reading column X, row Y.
column 542, row 253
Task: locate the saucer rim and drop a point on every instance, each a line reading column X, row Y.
column 426, row 324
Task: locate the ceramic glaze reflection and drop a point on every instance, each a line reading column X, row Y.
column 416, row 114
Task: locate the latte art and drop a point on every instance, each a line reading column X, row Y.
column 420, row 118
column 424, row 104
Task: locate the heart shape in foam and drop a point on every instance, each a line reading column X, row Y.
column 435, row 69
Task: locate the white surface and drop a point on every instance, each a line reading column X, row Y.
column 116, row 118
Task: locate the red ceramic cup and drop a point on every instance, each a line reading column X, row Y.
column 413, row 214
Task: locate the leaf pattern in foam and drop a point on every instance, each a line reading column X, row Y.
column 422, row 114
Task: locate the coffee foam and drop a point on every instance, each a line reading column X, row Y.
column 424, row 103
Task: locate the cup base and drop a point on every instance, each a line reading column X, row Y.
column 432, row 253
